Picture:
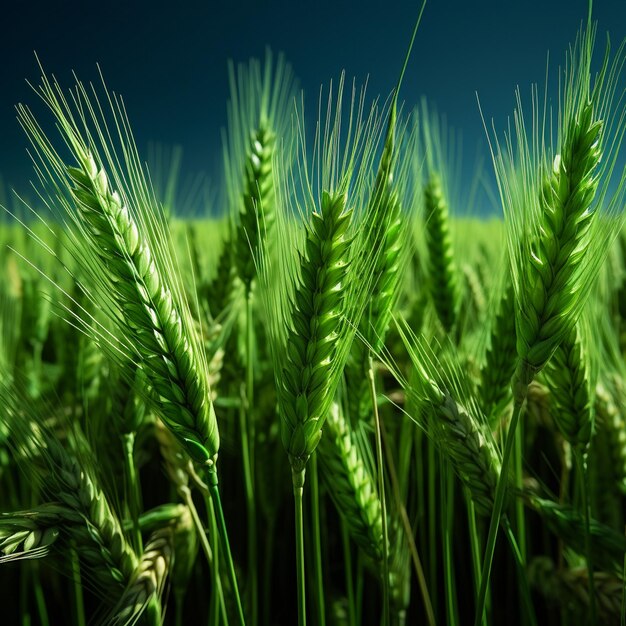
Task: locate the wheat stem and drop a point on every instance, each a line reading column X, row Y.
column 520, row 520
column 381, row 490
column 317, row 543
column 298, row 489
column 40, row 599
column 223, row 533
column 432, row 514
column 134, row 489
column 581, row 462
column 521, row 570
column 217, row 596
column 77, row 588
column 406, row 524
column 623, row 604
column 474, row 544
column 247, row 455
column 498, row 505
column 447, row 518
column 347, row 563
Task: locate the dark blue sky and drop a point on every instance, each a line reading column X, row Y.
column 168, row 60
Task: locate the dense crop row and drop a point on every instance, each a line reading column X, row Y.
column 414, row 417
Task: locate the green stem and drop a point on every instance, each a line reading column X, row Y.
column 563, row 497
column 399, row 498
column 475, row 546
column 520, row 519
column 360, row 584
column 178, row 600
column 581, row 462
column 247, row 450
column 298, row 489
column 317, row 542
column 218, row 606
column 211, row 554
column 623, row 611
column 24, row 603
column 40, row 599
column 77, row 589
column 347, row 562
column 474, row 539
column 381, row 492
column 432, row 517
column 496, row 514
column 447, row 515
column 268, row 562
column 217, row 595
column 421, row 487
column 221, row 528
column 133, row 490
column 153, row 615
column 521, row 571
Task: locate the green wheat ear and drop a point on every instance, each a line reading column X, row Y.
column 442, row 270
column 447, row 411
column 315, row 280
column 559, row 221
column 125, row 247
column 559, row 227
column 30, row 534
column 258, row 118
column 68, row 474
column 443, row 165
column 608, row 546
column 317, row 314
column 350, row 484
column 500, row 357
column 569, row 375
column 386, row 235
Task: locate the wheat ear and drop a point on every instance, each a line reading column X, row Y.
column 70, row 479
column 499, row 364
column 124, row 238
column 115, row 233
column 460, row 432
column 568, row 375
column 607, row 545
column 30, row 534
column 442, row 280
column 557, row 235
column 258, row 114
column 144, row 591
column 350, row 485
column 569, row 588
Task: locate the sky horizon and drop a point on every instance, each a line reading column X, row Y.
column 169, row 61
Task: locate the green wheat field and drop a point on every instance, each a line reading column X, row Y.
column 345, row 401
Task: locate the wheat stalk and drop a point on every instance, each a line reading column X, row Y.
column 557, row 236
column 123, row 235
